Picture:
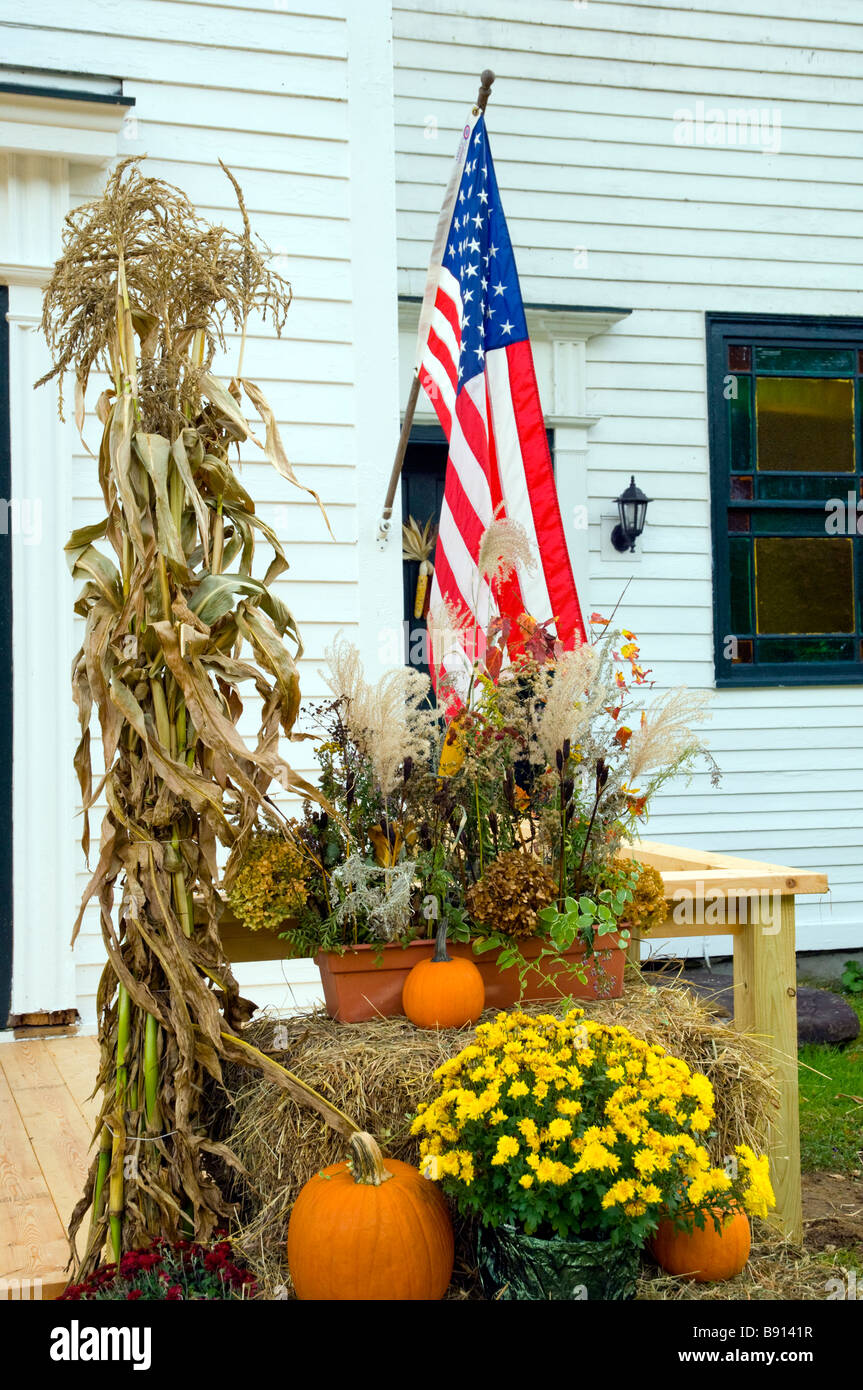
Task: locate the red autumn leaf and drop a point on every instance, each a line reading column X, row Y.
column 493, row 662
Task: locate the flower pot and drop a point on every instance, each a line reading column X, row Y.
column 367, row 981
column 515, row 1266
column 241, row 944
column 552, row 980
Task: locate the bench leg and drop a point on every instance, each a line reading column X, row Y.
column 765, row 1003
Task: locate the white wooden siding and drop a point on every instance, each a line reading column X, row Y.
column 582, row 128
column 296, row 97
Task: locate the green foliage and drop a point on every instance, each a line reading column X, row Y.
column 585, row 918
column 831, row 1121
column 852, row 977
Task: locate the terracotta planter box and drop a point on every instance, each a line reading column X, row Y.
column 604, row 974
column 366, row 982
column 240, row 944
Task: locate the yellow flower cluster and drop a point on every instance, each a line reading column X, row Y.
column 271, row 883
column 758, row 1194
column 554, row 1109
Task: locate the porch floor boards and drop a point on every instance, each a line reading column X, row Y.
column 46, row 1127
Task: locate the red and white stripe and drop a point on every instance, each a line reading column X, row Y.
column 498, row 464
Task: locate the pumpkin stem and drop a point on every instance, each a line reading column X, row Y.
column 368, row 1161
column 440, row 951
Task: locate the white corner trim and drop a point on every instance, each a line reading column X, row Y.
column 580, row 422
column 547, row 324
column 43, row 785
column 81, row 131
column 572, row 325
column 19, row 274
column 34, row 199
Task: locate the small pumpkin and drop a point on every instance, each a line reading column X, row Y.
column 704, row 1255
column 370, row 1231
column 445, row 991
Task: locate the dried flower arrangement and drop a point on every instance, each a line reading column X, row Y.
column 506, row 819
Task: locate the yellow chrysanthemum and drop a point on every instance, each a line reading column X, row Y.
column 560, row 1128
column 507, row 1147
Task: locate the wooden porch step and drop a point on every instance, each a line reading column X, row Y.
column 46, row 1123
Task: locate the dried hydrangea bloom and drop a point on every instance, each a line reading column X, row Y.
column 510, row 894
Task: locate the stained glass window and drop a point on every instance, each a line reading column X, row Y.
column 804, row 424
column 787, row 496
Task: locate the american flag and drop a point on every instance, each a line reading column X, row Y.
column 476, row 366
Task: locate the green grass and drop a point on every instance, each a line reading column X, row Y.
column 831, row 1129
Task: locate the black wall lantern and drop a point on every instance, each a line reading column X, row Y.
column 632, row 509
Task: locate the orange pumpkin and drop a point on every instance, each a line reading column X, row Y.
column 373, row 1231
column 704, row 1255
column 443, row 992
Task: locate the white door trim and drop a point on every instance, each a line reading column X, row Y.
column 38, row 139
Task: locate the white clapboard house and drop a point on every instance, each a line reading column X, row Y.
column 683, row 182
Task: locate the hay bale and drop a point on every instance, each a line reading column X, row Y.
column 379, row 1072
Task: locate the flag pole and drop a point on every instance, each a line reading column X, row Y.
column 485, row 83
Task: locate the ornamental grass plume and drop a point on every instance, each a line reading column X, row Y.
column 665, row 738
column 453, row 638
column 391, row 722
column 572, row 696
column 505, row 547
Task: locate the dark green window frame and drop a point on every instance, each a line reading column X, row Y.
column 840, row 336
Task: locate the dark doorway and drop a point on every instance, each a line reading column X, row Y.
column 423, row 478
column 5, row 678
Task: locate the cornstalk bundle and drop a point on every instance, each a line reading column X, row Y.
column 146, row 290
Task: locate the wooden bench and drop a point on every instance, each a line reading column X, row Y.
column 718, row 895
